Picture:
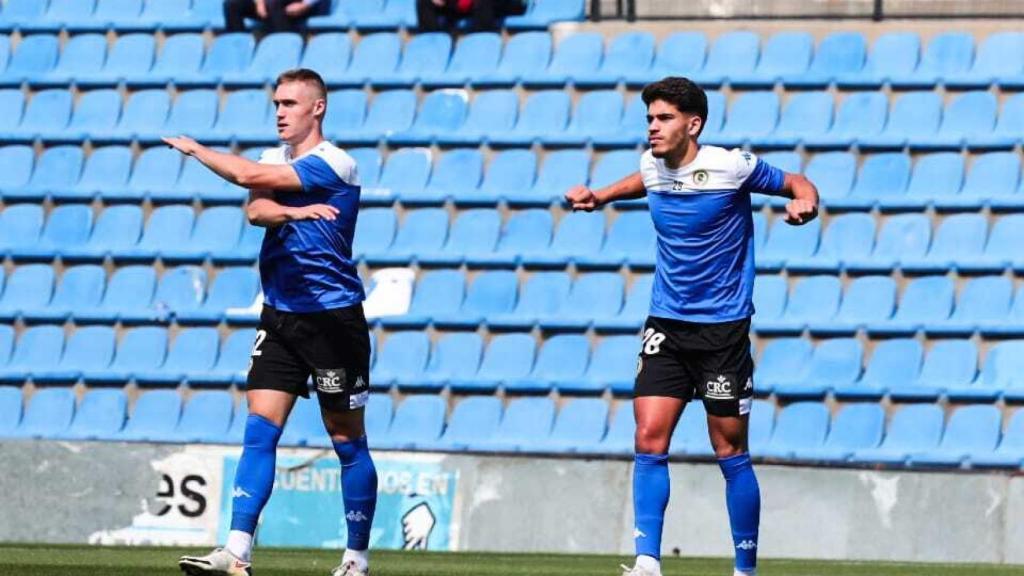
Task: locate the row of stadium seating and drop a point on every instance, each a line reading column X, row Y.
column 197, row 15
column 484, row 59
column 916, row 435
column 446, row 118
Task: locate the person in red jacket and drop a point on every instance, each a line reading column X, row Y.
column 485, row 15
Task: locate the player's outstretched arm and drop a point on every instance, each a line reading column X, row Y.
column 263, row 210
column 582, row 198
column 239, row 170
column 804, row 204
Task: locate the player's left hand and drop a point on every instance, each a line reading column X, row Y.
column 182, row 144
column 800, row 212
column 297, row 9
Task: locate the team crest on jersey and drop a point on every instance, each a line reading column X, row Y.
column 700, row 177
column 330, row 381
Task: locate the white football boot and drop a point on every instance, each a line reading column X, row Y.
column 220, row 562
column 349, row 569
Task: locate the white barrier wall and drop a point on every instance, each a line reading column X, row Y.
column 60, row 492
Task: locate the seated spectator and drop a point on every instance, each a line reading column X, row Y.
column 484, row 15
column 276, row 15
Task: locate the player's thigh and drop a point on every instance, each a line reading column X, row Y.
column 662, row 388
column 728, row 434
column 725, row 385
column 336, row 348
column 274, row 405
column 277, row 373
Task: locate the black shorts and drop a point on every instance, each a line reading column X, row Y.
column 689, row 360
column 332, row 347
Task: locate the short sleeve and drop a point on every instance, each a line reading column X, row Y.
column 648, row 169
column 315, row 173
column 756, row 175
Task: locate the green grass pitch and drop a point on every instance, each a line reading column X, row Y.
column 40, row 560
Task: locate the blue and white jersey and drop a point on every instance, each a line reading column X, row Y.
column 701, row 213
column 306, row 266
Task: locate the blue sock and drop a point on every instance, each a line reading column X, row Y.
column 743, row 499
column 358, row 490
column 254, row 478
column 650, row 497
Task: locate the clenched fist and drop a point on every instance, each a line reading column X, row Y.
column 800, row 212
column 581, row 198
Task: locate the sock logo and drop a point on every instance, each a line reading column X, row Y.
column 637, row 533
column 356, row 516
column 238, row 492
column 747, row 545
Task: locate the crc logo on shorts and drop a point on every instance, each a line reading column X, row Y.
column 330, row 381
column 700, row 177
column 719, row 388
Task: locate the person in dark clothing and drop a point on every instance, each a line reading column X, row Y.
column 485, row 15
column 276, row 15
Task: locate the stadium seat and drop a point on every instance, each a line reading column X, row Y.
column 915, row 117
column 154, row 417
column 100, row 416
column 628, row 53
column 422, row 230
column 118, row 227
column 579, row 234
column 948, row 54
column 893, row 55
column 1011, row 325
column 391, row 111
column 405, row 173
column 691, row 434
column 935, row 177
column 442, row 111
column 542, row 295
column 560, row 170
column 194, row 349
column 959, row 238
column 88, row 348
column 491, row 111
column 232, row 364
column 20, row 225
column 631, row 130
column 131, row 288
column 246, row 251
column 194, row 111
column 993, row 179
column 140, row 349
column 999, row 376
column 611, row 368
column 18, row 12
column 29, row 287
column 619, row 438
column 785, row 54
column 472, row 419
column 48, row 111
column 419, row 420
column 839, row 54
column 760, row 426
column 329, row 54
column 614, row 166
column 476, row 54
column 578, row 54
column 603, row 291
column 236, row 431
column 633, row 312
column 971, row 430
column 895, row 363
column 106, row 167
column 180, row 55
column 58, row 168
column 396, row 14
column 38, row 346
column 969, row 116
column 848, row 236
column 597, row 112
column 276, row 53
column 883, row 178
column 233, row 288
column 1008, row 127
column 145, row 112
column 97, row 111
column 998, row 61
column 508, row 357
column 16, row 164
column 474, row 231
column 834, row 364
column 833, row 173
column 374, row 55
column 217, row 228
column 770, row 295
column 912, row 429
column 861, row 114
column 48, row 414
column 679, row 54
column 784, row 360
column 246, row 119
column 35, row 56
column 545, row 112
column 66, row 227
column 109, row 14
column 205, row 418
column 6, row 337
column 800, row 426
column 732, row 54
column 181, row 288
column 868, row 299
column 455, row 356
column 561, row 357
column 581, row 423
column 983, row 301
column 527, row 422
column 437, row 292
column 1010, row 453
column 508, row 170
column 541, row 14
column 379, row 412
column 401, row 358
column 526, row 232
column 167, row 226
column 857, row 426
column 524, row 53
column 901, row 236
column 925, row 300
column 61, row 14
column 751, row 115
column 375, row 230
column 84, row 53
column 787, row 242
column 806, row 115
column 230, row 53
column 424, row 55
column 949, row 364
column 10, row 409
column 80, row 287
column 491, row 292
column 631, row 241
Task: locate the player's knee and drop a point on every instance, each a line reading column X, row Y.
column 344, row 427
column 651, row 440
column 728, row 450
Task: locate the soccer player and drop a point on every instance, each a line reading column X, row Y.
column 306, row 194
column 696, row 343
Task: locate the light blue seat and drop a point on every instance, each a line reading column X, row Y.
column 893, row 55
column 476, row 54
column 375, row 230
column 10, row 409
column 391, row 111
column 785, row 54
column 232, row 364
column 455, row 357
column 895, row 363
column 861, row 114
column 835, row 364
column 577, row 54
column 106, row 167
column 751, row 115
column 731, row 54
column 882, row 180
column 491, row 111
column 130, row 288
column 578, row 234
column 217, row 228
column 971, row 430
column 760, row 426
column 1010, row 453
column 80, row 287
column 442, row 111
column 276, row 53
column 629, row 53
column 58, row 168
column 770, row 295
column 950, row 364
column 48, row 414
column 848, row 236
column 35, row 56
column 329, row 54
column 145, row 112
column 401, row 358
column 786, row 242
column 418, row 422
column 437, row 292
column 902, row 236
column 545, row 112
column 375, row 54
column 601, row 290
column 229, row 54
column 619, row 438
column 631, row 241
column 167, row 226
column 61, row 14
column 925, row 300
column 234, row 287
column 631, row 130
column 67, row 226
column 807, row 115
column 614, row 166
column 814, row 298
column 508, row 357
column 679, row 54
column 612, row 367
column 970, row 115
column 181, row 55
column 180, row 288
column 526, row 232
column 194, row 111
column 560, row 170
column 48, row 111
column 984, row 301
column 403, row 176
column 457, row 173
column 29, row 287
column 379, row 412
column 1000, row 376
column 84, row 53
column 580, row 426
column 140, row 349
column 524, row 53
column 783, row 361
column 100, row 415
column 206, row 417
column 691, row 434
column 914, row 117
column 508, row 170
column 999, row 60
column 88, row 348
column 542, row 296
column 424, row 55
column 936, row 176
column 472, row 419
column 948, row 54
column 999, row 251
column 38, row 346
column 109, row 14
column 396, row 14
column 193, row 350
column 154, row 417
column 20, row 226
column 18, row 12
column 526, row 424
column 491, row 292
column 116, row 228
column 993, row 179
column 800, row 426
column 6, row 341
column 855, row 427
column 474, row 231
column 244, row 118
column 245, row 252
column 833, row 173
column 236, row 432
column 1006, row 134
column 912, row 429
column 16, row 166
column 868, row 299
column 597, row 112
column 422, row 231
column 634, row 310
column 959, row 238
column 541, row 14
column 840, row 54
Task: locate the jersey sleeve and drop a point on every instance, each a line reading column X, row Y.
column 648, row 170
column 315, row 173
column 756, row 175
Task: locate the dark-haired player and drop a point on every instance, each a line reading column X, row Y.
column 695, row 343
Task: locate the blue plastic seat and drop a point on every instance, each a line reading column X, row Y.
column 276, row 53
column 596, row 113
column 925, row 301
column 375, row 230
column 838, row 55
column 833, row 173
column 206, row 417
column 395, row 14
column 619, row 438
column 527, row 423
column 770, row 295
column 959, row 238
column 882, row 180
column 848, row 237
column 474, row 231
column 935, row 177
column 18, row 12
column 733, row 54
column 814, row 298
column 526, row 232
column 800, row 426
column 861, row 114
column 913, row 429
column 579, row 234
column 855, row 427
column 105, row 168
column 80, row 287
column 38, row 346
column 100, row 416
column 472, row 419
column 244, row 118
column 437, row 292
column 867, row 299
column 679, row 54
column 329, row 54
column 457, row 173
column 602, row 290
column 154, row 417
column 48, row 414
column 391, row 111
column 180, row 55
column 491, row 111
column 476, row 54
column 35, row 56
column 998, row 61
column 140, row 349
column 193, row 350
column 893, row 55
column 229, row 54
column 542, row 295
column 167, row 226
column 561, row 357
column 970, row 115
column 20, row 226
column 785, row 54
column 751, row 115
column 401, row 358
column 807, row 115
column 423, row 55
column 631, row 241
column 984, row 301
column 611, row 368
column 442, row 111
column 6, row 347
column 971, row 430
column 234, row 287
column 61, row 14
column 580, row 427
column 16, row 164
column 455, row 357
column 194, row 111
column 545, row 112
column 914, row 117
column 895, row 363
column 950, row 364
column 404, row 176
column 835, row 364
column 419, row 421
column 524, row 53
column 629, row 53
column 1010, row 453
column 783, row 361
column 560, row 170
column 993, row 179
column 130, row 288
column 47, row 112
column 948, row 54
column 180, row 289
column 634, row 310
column 66, row 227
column 508, row 357
column 58, row 168
column 84, row 53
column 1008, row 127
column 145, row 112
column 786, row 242
column 236, row 431
column 117, row 227
column 232, row 364
column 304, row 426
column 902, row 236
column 375, row 54
column 29, row 287
column 614, row 166
column 760, row 426
column 422, row 230
column 541, row 14
column 110, row 14
column 492, row 292
column 88, row 348
column 217, row 228
column 576, row 55
column 691, row 433
column 508, row 170
column 999, row 376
